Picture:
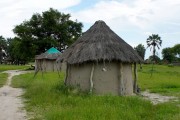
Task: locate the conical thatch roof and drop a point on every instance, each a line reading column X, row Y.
column 51, row 54
column 100, row 43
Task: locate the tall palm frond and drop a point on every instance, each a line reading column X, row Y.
column 154, row 41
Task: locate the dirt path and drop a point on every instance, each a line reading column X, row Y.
column 157, row 98
column 11, row 107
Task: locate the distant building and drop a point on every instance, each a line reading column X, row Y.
column 47, row 61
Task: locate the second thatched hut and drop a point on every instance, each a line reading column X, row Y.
column 47, row 61
column 101, row 62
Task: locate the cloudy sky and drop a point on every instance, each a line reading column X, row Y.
column 132, row 20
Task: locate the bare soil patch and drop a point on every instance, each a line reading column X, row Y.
column 157, row 98
column 11, row 105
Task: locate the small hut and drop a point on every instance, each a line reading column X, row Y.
column 47, row 61
column 101, row 62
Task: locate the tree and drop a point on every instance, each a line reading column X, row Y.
column 3, row 43
column 154, row 41
column 168, row 55
column 3, row 47
column 20, row 51
column 140, row 50
column 1, row 55
column 49, row 29
column 154, row 58
column 176, row 50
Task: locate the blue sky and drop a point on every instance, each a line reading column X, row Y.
column 132, row 20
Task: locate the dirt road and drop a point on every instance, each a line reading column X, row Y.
column 11, row 107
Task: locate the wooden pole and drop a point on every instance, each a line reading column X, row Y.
column 43, row 68
column 121, row 79
column 37, row 67
column 91, row 79
column 58, row 68
column 67, row 69
column 69, row 74
column 135, row 78
column 36, row 71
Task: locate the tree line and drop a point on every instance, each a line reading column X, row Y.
column 42, row 31
column 169, row 54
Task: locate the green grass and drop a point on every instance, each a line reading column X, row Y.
column 47, row 98
column 3, row 78
column 164, row 80
column 12, row 67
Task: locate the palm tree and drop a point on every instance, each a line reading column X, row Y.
column 154, row 41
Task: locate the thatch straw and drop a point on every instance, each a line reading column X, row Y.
column 48, row 56
column 99, row 43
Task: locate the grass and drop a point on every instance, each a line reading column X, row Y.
column 3, row 78
column 12, row 67
column 47, row 98
column 164, row 80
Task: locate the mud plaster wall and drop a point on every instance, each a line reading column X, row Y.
column 47, row 65
column 105, row 77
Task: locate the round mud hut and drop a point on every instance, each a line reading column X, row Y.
column 47, row 61
column 101, row 62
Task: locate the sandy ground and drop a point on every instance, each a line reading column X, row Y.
column 157, row 98
column 11, row 107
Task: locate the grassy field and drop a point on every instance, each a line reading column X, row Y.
column 164, row 79
column 3, row 78
column 12, row 67
column 47, row 98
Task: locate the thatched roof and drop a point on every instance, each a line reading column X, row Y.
column 99, row 43
column 51, row 54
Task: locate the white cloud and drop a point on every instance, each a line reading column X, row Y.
column 139, row 13
column 135, row 20
column 173, row 23
column 14, row 12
